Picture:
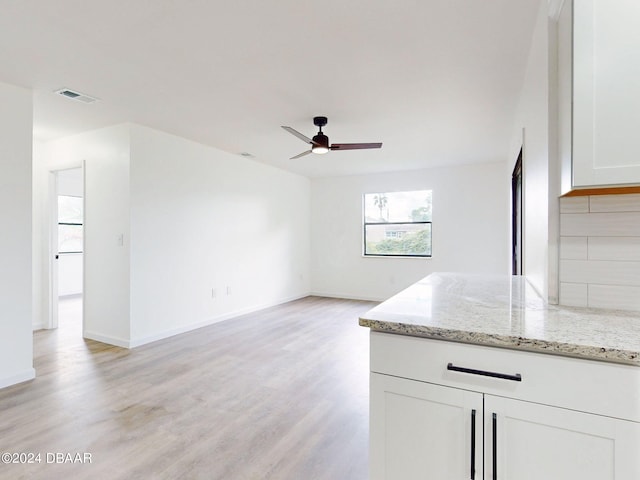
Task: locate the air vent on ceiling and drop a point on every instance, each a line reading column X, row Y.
column 73, row 95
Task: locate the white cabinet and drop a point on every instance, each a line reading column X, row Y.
column 436, row 414
column 418, row 427
column 606, row 90
column 535, row 441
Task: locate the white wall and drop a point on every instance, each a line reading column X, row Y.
column 190, row 219
column 16, row 344
column 470, row 229
column 70, row 182
column 532, row 131
column 202, row 219
column 106, row 293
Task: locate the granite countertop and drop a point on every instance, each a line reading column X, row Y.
column 505, row 311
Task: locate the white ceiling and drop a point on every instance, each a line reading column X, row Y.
column 436, row 81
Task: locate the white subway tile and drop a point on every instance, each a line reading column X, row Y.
column 600, row 272
column 600, row 253
column 574, row 204
column 615, row 297
column 617, row 224
column 613, row 248
column 570, row 271
column 615, row 203
column 573, row 294
column 574, row 248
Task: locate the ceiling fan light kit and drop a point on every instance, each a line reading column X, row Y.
column 320, row 142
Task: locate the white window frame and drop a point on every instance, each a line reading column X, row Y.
column 366, row 223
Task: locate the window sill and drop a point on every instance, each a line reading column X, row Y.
column 399, row 256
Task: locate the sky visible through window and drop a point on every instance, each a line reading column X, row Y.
column 398, row 206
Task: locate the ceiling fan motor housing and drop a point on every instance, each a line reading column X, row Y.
column 321, row 139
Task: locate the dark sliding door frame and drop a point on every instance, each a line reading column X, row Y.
column 517, row 214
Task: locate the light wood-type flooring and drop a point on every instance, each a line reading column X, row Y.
column 277, row 394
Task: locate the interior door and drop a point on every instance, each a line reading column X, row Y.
column 423, row 431
column 528, row 441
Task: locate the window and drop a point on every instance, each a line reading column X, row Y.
column 70, row 214
column 397, row 224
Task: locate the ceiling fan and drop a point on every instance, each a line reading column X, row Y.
column 320, row 142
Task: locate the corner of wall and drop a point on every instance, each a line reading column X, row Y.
column 16, row 252
column 533, row 115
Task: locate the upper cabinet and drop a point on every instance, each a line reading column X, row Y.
column 599, row 91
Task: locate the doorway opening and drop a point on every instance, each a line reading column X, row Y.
column 517, row 213
column 67, row 235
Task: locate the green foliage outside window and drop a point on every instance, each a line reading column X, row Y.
column 414, row 243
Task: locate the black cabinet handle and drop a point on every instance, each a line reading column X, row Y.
column 495, row 446
column 473, row 444
column 505, row 376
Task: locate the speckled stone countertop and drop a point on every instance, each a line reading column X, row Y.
column 505, row 311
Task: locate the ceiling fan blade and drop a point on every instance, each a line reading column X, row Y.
column 302, row 137
column 301, row 155
column 354, row 146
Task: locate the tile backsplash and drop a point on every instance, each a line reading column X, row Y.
column 600, row 251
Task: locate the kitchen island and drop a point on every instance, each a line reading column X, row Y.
column 475, row 376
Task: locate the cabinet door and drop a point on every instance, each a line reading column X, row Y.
column 534, row 442
column 606, row 92
column 424, row 431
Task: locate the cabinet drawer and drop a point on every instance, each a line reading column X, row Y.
column 583, row 385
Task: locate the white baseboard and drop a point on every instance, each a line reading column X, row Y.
column 136, row 342
column 108, row 339
column 38, row 326
column 347, row 296
column 23, row 376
